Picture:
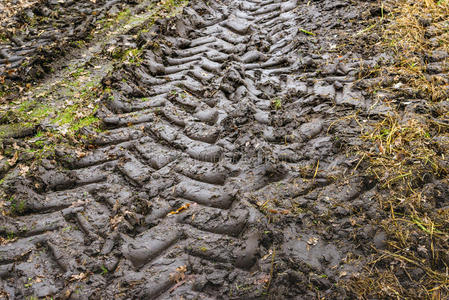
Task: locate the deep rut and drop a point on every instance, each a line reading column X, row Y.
column 228, row 128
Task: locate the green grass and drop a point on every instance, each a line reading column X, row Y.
column 16, row 207
column 123, row 15
column 104, row 271
column 277, row 104
column 307, row 32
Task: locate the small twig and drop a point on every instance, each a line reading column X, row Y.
column 316, row 170
column 272, row 268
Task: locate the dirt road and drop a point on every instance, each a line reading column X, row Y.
column 225, row 168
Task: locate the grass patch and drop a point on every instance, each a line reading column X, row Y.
column 276, row 104
column 130, row 56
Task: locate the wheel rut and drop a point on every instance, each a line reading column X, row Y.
column 221, row 165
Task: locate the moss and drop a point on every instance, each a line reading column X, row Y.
column 131, row 56
column 26, row 105
column 104, row 24
column 78, row 44
column 121, row 16
column 168, row 5
column 16, row 130
column 40, row 112
column 79, row 94
column 4, row 38
column 16, row 207
column 79, row 72
column 67, row 116
column 84, row 122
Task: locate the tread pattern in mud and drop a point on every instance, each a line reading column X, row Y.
column 221, row 118
column 39, row 33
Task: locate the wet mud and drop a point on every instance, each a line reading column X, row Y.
column 35, row 34
column 225, row 171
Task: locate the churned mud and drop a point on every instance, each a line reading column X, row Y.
column 224, row 162
column 35, row 33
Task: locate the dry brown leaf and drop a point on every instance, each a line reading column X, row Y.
column 14, row 159
column 23, row 170
column 116, row 220
column 179, row 275
column 78, row 277
column 312, row 241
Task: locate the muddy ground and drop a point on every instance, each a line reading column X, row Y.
column 35, row 33
column 223, row 164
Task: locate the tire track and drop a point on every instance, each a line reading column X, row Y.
column 221, row 120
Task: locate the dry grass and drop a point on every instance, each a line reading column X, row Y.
column 402, row 154
column 418, row 35
column 408, row 153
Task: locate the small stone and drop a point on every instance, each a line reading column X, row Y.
column 312, row 128
column 262, row 117
column 380, row 240
column 338, row 85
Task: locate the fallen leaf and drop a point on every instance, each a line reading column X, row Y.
column 81, row 154
column 179, row 275
column 6, row 241
column 283, row 212
column 78, row 277
column 116, row 220
column 422, row 249
column 312, row 241
column 14, row 159
column 264, row 279
column 23, row 169
column 270, row 253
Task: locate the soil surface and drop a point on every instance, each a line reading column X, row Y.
column 35, row 33
column 225, row 168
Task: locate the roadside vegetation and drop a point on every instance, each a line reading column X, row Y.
column 407, row 151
